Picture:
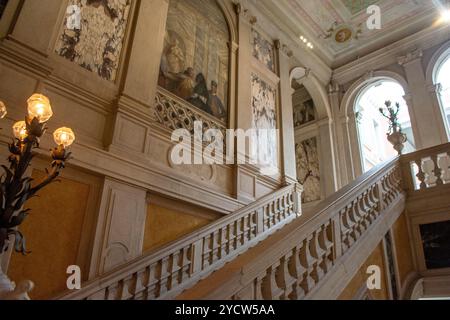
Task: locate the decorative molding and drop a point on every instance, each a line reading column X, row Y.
column 410, row 57
column 368, row 75
column 173, row 113
column 245, row 13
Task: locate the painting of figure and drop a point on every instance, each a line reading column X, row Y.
column 194, row 63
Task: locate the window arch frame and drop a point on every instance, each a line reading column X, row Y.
column 440, row 57
column 352, row 148
column 356, row 103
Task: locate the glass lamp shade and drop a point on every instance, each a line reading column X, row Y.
column 64, row 136
column 3, row 111
column 39, row 107
column 20, row 130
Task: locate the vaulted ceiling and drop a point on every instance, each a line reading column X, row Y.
column 338, row 28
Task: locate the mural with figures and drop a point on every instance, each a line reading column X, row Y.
column 97, row 42
column 264, row 117
column 308, row 171
column 263, row 50
column 194, row 63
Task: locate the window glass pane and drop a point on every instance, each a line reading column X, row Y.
column 373, row 127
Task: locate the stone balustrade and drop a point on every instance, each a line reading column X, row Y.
column 173, row 268
column 426, row 169
column 295, row 263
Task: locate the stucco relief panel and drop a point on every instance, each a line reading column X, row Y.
column 96, row 43
column 264, row 120
column 308, row 170
column 263, row 50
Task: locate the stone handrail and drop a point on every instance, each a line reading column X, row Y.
column 292, row 263
column 173, row 268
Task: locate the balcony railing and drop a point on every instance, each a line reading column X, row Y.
column 293, row 263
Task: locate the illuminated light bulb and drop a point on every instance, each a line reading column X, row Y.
column 39, row 107
column 3, row 111
column 302, row 37
column 20, row 130
column 305, row 40
column 64, row 136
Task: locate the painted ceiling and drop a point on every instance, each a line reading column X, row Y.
column 338, row 28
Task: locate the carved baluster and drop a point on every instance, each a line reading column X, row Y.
column 127, row 287
column 360, row 213
column 317, row 252
column 216, row 246
column 207, row 249
column 420, row 175
column 283, row 278
column 154, row 281
column 346, row 229
column 113, row 292
column 270, row 289
column 247, row 228
column 258, row 285
column 326, row 244
column 164, row 275
column 364, row 210
column 355, row 232
column 307, row 262
column 142, row 279
column 254, row 217
column 298, row 272
column 437, row 170
column 444, row 164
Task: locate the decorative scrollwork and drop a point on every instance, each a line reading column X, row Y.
column 173, row 113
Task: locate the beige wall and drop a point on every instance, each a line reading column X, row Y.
column 164, row 225
column 403, row 248
column 358, row 282
column 53, row 232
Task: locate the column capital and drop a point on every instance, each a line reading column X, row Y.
column 333, row 87
column 410, row 57
column 245, row 14
column 283, row 49
column 435, row 88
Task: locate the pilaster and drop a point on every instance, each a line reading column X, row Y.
column 425, row 117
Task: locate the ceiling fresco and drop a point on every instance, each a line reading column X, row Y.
column 338, row 28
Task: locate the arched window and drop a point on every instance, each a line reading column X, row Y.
column 443, row 78
column 373, row 127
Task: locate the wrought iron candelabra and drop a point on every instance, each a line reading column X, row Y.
column 16, row 187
